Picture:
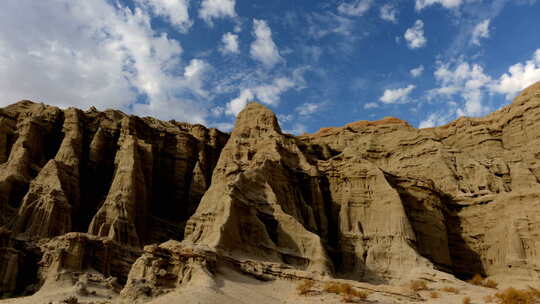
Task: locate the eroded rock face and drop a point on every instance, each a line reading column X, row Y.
column 168, row 266
column 133, row 181
column 367, row 201
column 264, row 202
column 469, row 188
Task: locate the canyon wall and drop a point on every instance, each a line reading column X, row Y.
column 371, row 201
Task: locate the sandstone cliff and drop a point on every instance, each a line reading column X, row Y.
column 132, row 180
column 371, row 201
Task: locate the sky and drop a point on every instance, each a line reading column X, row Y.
column 314, row 63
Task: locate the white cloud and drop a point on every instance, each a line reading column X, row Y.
column 297, row 129
column 212, row 9
column 355, row 8
column 415, row 35
column 397, row 95
column 194, row 75
column 421, row 4
column 417, row 72
column 321, row 25
column 264, row 49
column 388, row 13
column 239, row 103
column 371, row 105
column 284, row 118
column 230, row 44
column 270, row 94
column 481, row 30
column 308, row 108
column 267, row 93
column 94, row 53
column 468, row 81
column 223, row 126
column 175, row 11
column 519, row 77
column 434, row 119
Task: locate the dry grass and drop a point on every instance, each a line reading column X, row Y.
column 535, row 292
column 478, row 280
column 347, row 292
column 434, row 295
column 305, row 287
column 347, row 299
column 450, row 289
column 418, row 285
column 517, row 296
column 490, row 284
column 466, row 300
column 489, row 299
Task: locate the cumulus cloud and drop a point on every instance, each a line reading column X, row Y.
column 239, row 103
column 230, row 44
column 397, row 95
column 371, row 105
column 194, row 74
column 388, row 13
column 94, row 53
column 213, row 9
column 417, row 72
column 435, row 119
column 518, row 77
column 355, row 8
column 415, row 35
column 297, row 129
column 266, row 93
column 175, row 11
column 263, row 49
column 481, row 30
column 466, row 85
column 466, row 80
column 308, row 108
column 421, row 4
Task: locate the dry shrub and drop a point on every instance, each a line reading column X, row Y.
column 490, row 284
column 305, row 287
column 489, row 299
column 516, row 296
column 347, row 292
column 332, row 287
column 347, row 298
column 450, row 289
column 478, row 280
column 418, row 285
column 434, row 295
column 534, row 292
column 466, row 300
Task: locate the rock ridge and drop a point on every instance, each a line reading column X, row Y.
column 147, row 206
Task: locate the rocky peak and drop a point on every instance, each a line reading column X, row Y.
column 255, row 120
column 377, row 202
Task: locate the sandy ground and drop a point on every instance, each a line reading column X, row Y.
column 231, row 287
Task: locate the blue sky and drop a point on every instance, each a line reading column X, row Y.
column 315, row 63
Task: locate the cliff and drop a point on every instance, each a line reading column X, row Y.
column 379, row 202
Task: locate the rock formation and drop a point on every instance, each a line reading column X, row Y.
column 150, row 205
column 135, row 181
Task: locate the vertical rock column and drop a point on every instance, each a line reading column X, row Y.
column 122, row 217
column 47, row 208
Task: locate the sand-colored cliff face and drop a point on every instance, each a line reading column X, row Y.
column 470, row 188
column 371, row 201
column 135, row 181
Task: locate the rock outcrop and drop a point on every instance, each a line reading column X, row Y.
column 134, row 181
column 381, row 201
